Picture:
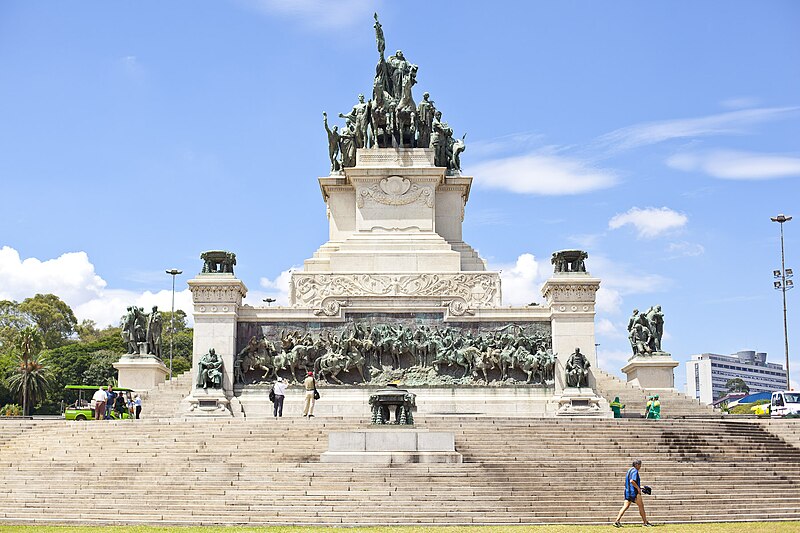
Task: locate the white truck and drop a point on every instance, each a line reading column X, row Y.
column 785, row 403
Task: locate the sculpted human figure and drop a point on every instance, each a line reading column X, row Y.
column 655, row 319
column 398, row 67
column 425, row 111
column 379, row 37
column 458, row 148
column 360, row 117
column 641, row 340
column 437, row 140
column 333, row 143
column 154, row 328
column 129, row 330
column 577, row 369
column 347, row 143
column 209, row 370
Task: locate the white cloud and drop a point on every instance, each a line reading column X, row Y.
column 734, row 165
column 606, row 328
column 277, row 288
column 339, row 14
column 649, row 222
column 545, row 174
column 740, row 102
column 72, row 278
column 733, row 122
column 521, row 280
column 607, row 300
column 685, row 249
column 109, row 308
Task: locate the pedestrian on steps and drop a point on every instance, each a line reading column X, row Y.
column 310, row 386
column 137, row 404
column 279, row 389
column 633, row 494
column 99, row 401
column 617, row 407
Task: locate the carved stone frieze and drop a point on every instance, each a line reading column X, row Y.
column 394, row 158
column 395, row 190
column 460, row 291
column 582, row 293
column 217, row 294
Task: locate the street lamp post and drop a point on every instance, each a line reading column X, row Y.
column 783, row 285
column 173, row 272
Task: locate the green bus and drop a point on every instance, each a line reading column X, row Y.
column 82, row 409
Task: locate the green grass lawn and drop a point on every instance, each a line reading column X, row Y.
column 735, row 527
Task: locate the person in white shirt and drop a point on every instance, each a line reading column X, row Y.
column 137, row 405
column 280, row 393
column 99, row 401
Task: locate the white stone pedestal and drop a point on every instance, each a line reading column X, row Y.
column 140, row 372
column 582, row 401
column 652, row 371
column 207, row 402
column 391, row 446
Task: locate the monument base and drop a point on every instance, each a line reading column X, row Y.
column 582, row 401
column 651, row 371
column 140, row 372
column 391, row 446
column 207, row 403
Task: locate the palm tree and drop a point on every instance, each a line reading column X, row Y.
column 32, row 375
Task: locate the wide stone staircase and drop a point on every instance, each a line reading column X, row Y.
column 516, row 471
column 673, row 403
column 164, row 401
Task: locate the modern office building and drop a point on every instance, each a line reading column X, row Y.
column 707, row 374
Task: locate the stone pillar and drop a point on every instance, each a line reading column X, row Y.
column 656, row 371
column 217, row 298
column 140, row 372
column 571, row 298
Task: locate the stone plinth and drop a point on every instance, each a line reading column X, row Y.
column 391, row 446
column 207, row 402
column 216, row 298
column 582, row 401
column 652, row 371
column 140, row 372
column 571, row 299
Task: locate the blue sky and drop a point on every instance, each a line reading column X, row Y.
column 659, row 136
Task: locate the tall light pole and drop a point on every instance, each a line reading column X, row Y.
column 783, row 285
column 173, row 272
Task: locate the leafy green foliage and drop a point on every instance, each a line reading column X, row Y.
column 11, row 409
column 30, row 381
column 745, row 408
column 54, row 318
column 737, row 385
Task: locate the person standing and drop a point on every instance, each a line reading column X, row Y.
column 280, row 394
column 633, row 494
column 137, row 404
column 310, row 385
column 617, row 407
column 99, row 400
column 110, row 396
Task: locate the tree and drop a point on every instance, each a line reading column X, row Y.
column 54, row 318
column 12, row 321
column 30, row 379
column 737, row 385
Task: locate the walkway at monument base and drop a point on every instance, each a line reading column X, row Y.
column 515, row 470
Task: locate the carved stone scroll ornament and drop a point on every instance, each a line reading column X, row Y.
column 396, row 190
column 458, row 307
column 330, row 307
column 476, row 290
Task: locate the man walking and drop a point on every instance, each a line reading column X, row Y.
column 280, row 394
column 633, row 494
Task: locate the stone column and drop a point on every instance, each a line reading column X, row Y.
column 571, row 298
column 217, row 298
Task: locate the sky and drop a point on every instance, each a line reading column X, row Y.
column 658, row 136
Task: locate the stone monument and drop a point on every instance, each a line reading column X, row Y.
column 141, row 369
column 395, row 294
column 649, row 367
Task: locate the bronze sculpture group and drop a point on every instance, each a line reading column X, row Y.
column 392, row 118
column 395, row 346
column 140, row 328
column 645, row 331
